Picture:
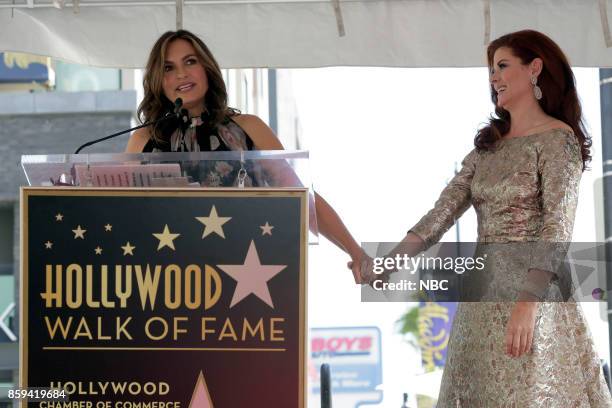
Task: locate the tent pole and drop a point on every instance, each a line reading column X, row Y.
column 179, row 14
column 605, row 76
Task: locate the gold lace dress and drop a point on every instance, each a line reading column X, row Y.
column 525, row 190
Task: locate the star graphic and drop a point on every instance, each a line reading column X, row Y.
column 59, row 217
column 48, row 244
column 213, row 223
column 252, row 277
column 108, row 228
column 266, row 229
column 166, row 238
column 201, row 396
column 79, row 233
column 128, row 249
column 98, row 250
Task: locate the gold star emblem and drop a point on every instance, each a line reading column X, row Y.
column 79, row 233
column 213, row 223
column 98, row 250
column 266, row 229
column 48, row 244
column 128, row 249
column 108, row 227
column 59, row 217
column 166, row 238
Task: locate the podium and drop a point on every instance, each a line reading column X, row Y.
column 144, row 287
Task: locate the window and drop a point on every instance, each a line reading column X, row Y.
column 79, row 78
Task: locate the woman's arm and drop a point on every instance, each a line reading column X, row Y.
column 332, row 227
column 329, row 222
column 560, row 169
column 137, row 141
column 454, row 200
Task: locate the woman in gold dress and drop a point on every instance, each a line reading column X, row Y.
column 521, row 346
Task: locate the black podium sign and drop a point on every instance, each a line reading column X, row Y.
column 164, row 298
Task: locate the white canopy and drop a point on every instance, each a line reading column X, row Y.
column 303, row 33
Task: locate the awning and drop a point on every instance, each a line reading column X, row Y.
column 304, row 33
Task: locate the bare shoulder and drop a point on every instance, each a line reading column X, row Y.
column 251, row 123
column 263, row 137
column 245, row 119
column 138, row 140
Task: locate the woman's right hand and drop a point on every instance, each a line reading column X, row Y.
column 363, row 271
column 362, row 267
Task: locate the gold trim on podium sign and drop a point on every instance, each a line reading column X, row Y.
column 26, row 192
column 304, row 230
column 165, row 349
column 23, row 297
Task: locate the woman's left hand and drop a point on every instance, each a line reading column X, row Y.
column 520, row 328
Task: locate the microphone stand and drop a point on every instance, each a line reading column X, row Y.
column 61, row 182
column 176, row 113
column 169, row 115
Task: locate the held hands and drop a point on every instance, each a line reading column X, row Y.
column 362, row 267
column 520, row 328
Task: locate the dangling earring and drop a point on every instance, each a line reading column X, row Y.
column 537, row 91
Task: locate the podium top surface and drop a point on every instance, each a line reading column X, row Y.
column 258, row 168
column 163, row 157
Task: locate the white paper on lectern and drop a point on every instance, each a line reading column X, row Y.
column 124, row 175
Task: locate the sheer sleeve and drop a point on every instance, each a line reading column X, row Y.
column 454, row 200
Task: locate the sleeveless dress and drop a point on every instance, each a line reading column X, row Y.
column 198, row 136
column 524, row 191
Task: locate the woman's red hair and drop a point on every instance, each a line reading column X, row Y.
column 559, row 96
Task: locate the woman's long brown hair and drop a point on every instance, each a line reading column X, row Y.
column 155, row 104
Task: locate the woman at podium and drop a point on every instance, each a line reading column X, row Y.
column 182, row 69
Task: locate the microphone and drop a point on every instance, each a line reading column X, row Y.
column 184, row 116
column 176, row 113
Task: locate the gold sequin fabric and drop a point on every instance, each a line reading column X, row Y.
column 523, row 190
